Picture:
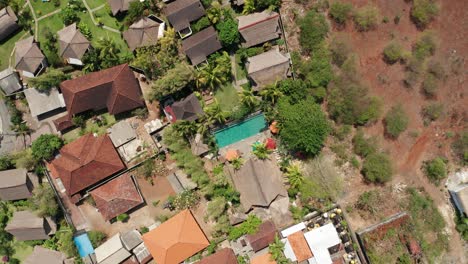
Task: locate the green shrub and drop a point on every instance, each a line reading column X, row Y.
column 45, row 146
column 396, row 121
column 377, row 168
column 200, row 24
column 340, row 48
column 144, row 230
column 423, row 12
column 314, row 28
column 435, row 68
column 425, row 46
column 363, row 146
column 96, row 238
column 249, row 226
column 369, row 201
column 227, row 31
column 433, row 111
column 48, row 80
column 366, row 18
column 435, row 169
column 429, row 85
column 123, row 218
column 340, row 11
column 393, row 52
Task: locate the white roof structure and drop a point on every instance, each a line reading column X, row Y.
column 320, row 240
column 288, row 250
column 43, row 102
column 293, row 229
column 121, row 133
column 112, row 251
column 153, row 126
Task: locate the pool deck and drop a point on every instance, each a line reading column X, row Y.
column 245, row 145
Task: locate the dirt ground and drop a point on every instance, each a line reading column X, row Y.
column 419, row 142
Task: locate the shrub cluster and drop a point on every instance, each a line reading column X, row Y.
column 396, row 121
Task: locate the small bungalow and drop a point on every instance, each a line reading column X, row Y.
column 112, row 251
column 259, row 183
column 117, row 196
column 198, row 147
column 144, row 32
column 25, row 225
column 15, row 184
column 9, row 81
column 29, row 60
column 199, row 46
column 72, row 44
column 267, row 68
column 8, row 22
column 176, row 240
column 44, row 104
column 188, row 109
column 263, row 237
column 225, row 256
column 83, row 163
column 258, row 28
column 119, row 6
column 42, row 255
column 181, row 13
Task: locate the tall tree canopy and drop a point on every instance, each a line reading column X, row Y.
column 45, row 146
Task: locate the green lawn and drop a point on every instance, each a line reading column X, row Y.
column 95, row 3
column 71, row 135
column 227, row 97
column 91, row 127
column 105, row 18
column 22, row 250
column 53, row 23
column 43, row 8
column 6, row 48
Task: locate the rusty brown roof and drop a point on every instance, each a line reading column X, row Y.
column 86, row 161
column 199, row 46
column 265, row 236
column 116, row 197
column 181, row 12
column 115, row 88
column 224, row 256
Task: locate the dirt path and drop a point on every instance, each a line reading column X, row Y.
column 36, row 24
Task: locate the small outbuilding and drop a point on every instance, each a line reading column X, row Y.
column 29, row 59
column 25, row 225
column 181, row 13
column 15, row 184
column 72, row 44
column 267, row 68
column 258, row 28
column 144, row 32
column 119, row 6
column 112, row 251
column 9, row 81
column 42, row 255
column 199, row 46
column 188, row 109
column 8, row 22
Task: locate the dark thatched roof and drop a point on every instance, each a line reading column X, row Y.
column 199, row 46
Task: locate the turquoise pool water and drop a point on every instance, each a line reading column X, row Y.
column 240, row 131
column 83, row 244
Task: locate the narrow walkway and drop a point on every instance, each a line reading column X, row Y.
column 36, row 24
column 50, row 14
column 236, row 83
column 90, row 11
column 97, row 8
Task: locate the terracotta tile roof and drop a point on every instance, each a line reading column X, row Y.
column 181, row 12
column 200, row 45
column 265, row 236
column 63, row 122
column 299, row 246
column 176, row 239
column 224, row 256
column 116, row 197
column 72, row 44
column 263, row 259
column 258, row 28
column 115, row 88
column 85, row 162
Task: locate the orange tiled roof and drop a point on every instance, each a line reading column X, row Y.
column 176, row 239
column 299, row 246
column 263, row 259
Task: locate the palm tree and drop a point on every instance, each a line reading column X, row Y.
column 276, row 250
column 214, row 12
column 185, row 128
column 214, row 114
column 210, row 77
column 261, row 151
column 109, row 51
column 248, row 98
column 294, row 175
column 271, row 93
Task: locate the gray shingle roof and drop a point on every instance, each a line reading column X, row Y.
column 181, row 12
column 200, row 45
column 188, row 108
column 8, row 23
column 72, row 44
column 25, row 225
column 268, row 67
column 142, row 33
column 258, row 28
column 9, row 81
column 118, row 6
column 41, row 102
column 42, row 255
column 15, row 185
column 28, row 56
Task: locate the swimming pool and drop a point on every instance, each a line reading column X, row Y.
column 240, row 131
column 83, row 244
